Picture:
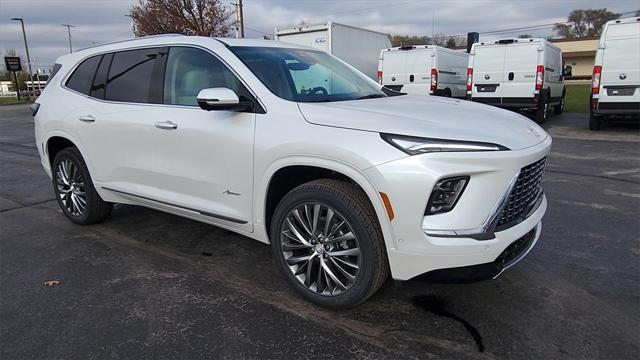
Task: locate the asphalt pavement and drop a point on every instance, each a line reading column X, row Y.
column 145, row 284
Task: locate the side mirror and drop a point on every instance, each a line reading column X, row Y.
column 221, row 99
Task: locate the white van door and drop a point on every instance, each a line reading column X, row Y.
column 620, row 79
column 419, row 64
column 519, row 77
column 394, row 69
column 488, row 67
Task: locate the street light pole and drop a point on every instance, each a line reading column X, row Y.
column 69, row 32
column 26, row 47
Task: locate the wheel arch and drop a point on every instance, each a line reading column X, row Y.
column 271, row 191
column 58, row 140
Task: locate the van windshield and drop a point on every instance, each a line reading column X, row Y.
column 306, row 75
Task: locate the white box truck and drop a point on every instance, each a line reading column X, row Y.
column 424, row 70
column 615, row 88
column 358, row 47
column 519, row 74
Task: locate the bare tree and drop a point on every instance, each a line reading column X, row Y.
column 584, row 22
column 404, row 40
column 439, row 39
column 189, row 17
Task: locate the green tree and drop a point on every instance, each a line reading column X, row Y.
column 188, row 17
column 584, row 22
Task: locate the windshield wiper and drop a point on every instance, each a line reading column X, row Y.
column 370, row 96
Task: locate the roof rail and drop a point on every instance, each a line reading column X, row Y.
column 134, row 39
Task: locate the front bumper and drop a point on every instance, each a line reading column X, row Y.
column 515, row 252
column 414, row 249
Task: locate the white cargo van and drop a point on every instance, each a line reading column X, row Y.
column 358, row 47
column 520, row 74
column 424, row 70
column 615, row 88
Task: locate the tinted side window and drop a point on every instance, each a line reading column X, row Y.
column 56, row 68
column 82, row 77
column 100, row 80
column 190, row 70
column 130, row 76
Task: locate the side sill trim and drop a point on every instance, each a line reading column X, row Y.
column 486, row 231
column 201, row 212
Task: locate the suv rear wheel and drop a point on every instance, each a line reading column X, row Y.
column 74, row 189
column 328, row 244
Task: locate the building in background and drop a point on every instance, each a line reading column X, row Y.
column 579, row 54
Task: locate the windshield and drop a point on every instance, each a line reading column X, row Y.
column 306, row 75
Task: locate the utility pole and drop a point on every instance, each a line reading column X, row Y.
column 26, row 47
column 239, row 19
column 69, row 32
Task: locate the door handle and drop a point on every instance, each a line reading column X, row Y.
column 166, row 125
column 87, row 118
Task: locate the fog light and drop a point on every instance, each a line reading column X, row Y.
column 445, row 195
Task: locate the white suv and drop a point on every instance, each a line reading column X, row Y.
column 290, row 146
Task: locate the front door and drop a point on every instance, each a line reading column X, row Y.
column 174, row 154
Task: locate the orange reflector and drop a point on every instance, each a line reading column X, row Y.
column 387, row 205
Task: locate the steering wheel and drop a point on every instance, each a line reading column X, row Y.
column 318, row 89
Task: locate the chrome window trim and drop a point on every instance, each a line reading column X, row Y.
column 70, row 72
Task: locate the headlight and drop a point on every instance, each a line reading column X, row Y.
column 417, row 145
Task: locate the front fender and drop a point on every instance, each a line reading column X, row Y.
column 360, row 178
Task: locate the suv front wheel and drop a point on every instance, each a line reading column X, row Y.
column 327, row 242
column 74, row 189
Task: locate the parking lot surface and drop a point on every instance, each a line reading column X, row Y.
column 147, row 284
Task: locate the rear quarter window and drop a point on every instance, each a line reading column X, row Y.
column 131, row 76
column 82, row 77
column 54, row 71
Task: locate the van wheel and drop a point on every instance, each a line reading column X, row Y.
column 542, row 114
column 447, row 92
column 559, row 109
column 74, row 189
column 328, row 244
column 595, row 121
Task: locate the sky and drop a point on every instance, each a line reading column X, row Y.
column 103, row 21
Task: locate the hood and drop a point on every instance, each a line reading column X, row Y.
column 430, row 117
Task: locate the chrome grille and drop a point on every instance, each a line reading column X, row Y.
column 524, row 196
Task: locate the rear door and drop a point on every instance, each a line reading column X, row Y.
column 394, row 69
column 419, row 64
column 620, row 79
column 519, row 76
column 488, row 69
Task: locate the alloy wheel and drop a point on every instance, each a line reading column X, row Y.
column 70, row 186
column 320, row 248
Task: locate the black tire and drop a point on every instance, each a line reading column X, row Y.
column 95, row 209
column 542, row 114
column 559, row 109
column 595, row 121
column 350, row 203
column 447, row 93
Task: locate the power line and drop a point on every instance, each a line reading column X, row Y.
column 529, row 28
